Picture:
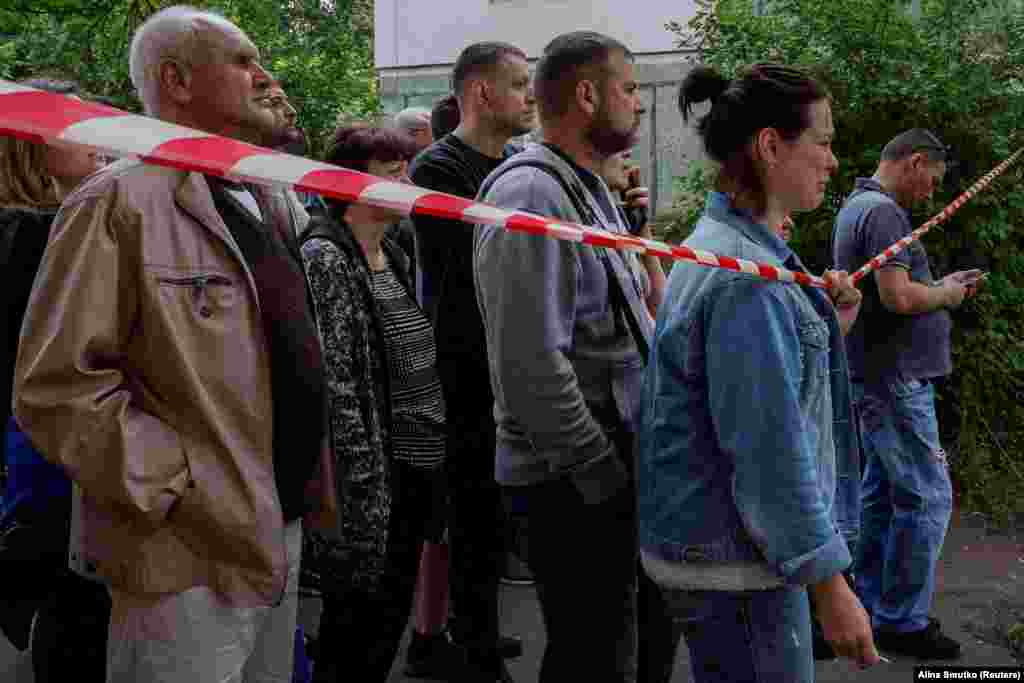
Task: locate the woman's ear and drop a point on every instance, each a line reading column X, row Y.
column 766, row 147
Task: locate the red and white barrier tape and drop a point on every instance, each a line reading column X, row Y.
column 46, row 117
column 42, row 116
column 953, row 207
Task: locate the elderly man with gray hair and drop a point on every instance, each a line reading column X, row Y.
column 170, row 364
column 415, row 122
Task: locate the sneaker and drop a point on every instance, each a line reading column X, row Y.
column 434, row 656
column 927, row 643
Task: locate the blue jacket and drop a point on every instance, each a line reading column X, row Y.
column 746, row 412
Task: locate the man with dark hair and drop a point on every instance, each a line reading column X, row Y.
column 897, row 348
column 567, row 329
column 445, row 116
column 491, row 82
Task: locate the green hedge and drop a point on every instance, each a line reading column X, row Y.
column 958, row 69
column 322, row 52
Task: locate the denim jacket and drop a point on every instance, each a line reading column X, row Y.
column 746, row 412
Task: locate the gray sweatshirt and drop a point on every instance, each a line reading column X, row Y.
column 565, row 372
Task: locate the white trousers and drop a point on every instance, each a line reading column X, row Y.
column 194, row 637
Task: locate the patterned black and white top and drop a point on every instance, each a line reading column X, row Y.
column 417, row 404
column 369, row 411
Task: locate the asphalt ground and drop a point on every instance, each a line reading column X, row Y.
column 980, row 597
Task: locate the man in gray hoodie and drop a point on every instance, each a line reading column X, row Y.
column 566, row 328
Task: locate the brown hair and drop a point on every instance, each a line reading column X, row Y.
column 23, row 179
column 353, row 147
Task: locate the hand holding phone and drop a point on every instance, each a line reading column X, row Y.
column 634, row 201
column 969, row 277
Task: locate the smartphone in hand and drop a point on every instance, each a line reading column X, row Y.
column 637, row 215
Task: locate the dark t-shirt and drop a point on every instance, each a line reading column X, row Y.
column 446, row 258
column 883, row 344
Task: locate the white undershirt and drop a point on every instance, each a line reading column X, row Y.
column 246, row 199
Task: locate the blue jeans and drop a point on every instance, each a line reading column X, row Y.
column 907, row 502
column 751, row 636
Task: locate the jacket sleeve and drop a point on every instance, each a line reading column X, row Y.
column 73, row 395
column 754, row 397
column 355, row 428
column 527, row 287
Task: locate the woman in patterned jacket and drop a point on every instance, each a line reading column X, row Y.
column 387, row 419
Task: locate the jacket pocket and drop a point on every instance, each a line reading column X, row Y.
column 208, row 294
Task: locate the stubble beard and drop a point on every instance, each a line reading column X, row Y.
column 603, row 136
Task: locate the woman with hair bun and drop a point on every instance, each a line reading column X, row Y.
column 746, row 407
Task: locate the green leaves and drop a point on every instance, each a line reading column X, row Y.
column 957, row 69
column 320, row 51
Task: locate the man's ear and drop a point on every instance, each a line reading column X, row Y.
column 918, row 161
column 175, row 81
column 588, row 97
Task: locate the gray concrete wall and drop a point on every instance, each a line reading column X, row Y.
column 666, row 146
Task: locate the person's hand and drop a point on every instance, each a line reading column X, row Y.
column 971, row 279
column 844, row 622
column 636, row 197
column 954, row 291
column 845, row 297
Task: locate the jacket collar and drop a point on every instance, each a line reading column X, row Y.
column 720, row 208
column 194, row 198
column 340, row 234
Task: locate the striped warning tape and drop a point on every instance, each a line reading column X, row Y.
column 46, row 117
column 953, row 207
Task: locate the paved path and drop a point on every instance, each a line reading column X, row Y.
column 980, row 575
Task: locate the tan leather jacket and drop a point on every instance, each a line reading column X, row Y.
column 143, row 370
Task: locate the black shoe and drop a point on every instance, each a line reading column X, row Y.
column 822, row 648
column 434, row 656
column 927, row 643
column 485, row 672
column 516, row 572
column 510, row 647
column 507, row 647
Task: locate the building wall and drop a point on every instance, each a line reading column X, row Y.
column 416, row 45
column 425, row 32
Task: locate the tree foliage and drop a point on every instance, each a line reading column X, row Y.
column 321, row 50
column 957, row 68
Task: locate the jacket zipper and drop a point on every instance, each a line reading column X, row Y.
column 198, row 283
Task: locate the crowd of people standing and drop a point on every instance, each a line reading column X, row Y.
column 214, row 389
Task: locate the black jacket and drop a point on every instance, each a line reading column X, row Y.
column 23, row 237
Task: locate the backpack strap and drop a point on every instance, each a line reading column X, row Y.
column 617, row 293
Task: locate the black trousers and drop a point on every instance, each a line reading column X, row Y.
column 360, row 630
column 479, row 535
column 604, row 617
column 69, row 642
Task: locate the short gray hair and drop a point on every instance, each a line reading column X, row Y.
column 170, row 34
column 412, row 118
